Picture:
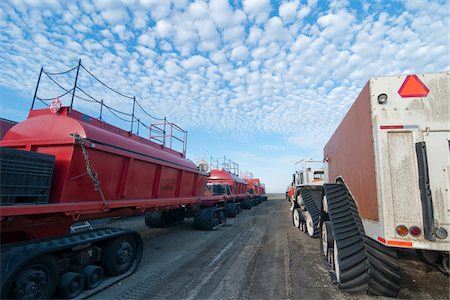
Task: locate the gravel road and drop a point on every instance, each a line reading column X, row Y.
column 258, row 255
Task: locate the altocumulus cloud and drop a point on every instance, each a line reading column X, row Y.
column 252, row 67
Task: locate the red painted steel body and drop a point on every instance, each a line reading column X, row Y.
column 237, row 184
column 255, row 184
column 136, row 174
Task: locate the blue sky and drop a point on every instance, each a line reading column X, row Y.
column 264, row 83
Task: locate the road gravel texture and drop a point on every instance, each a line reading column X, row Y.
column 258, row 255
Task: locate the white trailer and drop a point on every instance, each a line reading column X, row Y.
column 388, row 182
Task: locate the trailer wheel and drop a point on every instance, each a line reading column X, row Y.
column 203, row 219
column 232, row 210
column 36, row 280
column 118, row 255
column 93, row 275
column 296, row 217
column 154, row 219
column 70, row 285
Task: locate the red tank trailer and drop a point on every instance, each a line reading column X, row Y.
column 256, row 188
column 223, row 182
column 61, row 166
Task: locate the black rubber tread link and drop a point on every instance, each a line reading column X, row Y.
column 354, row 267
column 383, row 268
column 309, row 199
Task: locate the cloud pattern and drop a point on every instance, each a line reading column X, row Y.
column 252, row 67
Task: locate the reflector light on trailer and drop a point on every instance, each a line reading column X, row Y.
column 413, row 87
column 395, row 243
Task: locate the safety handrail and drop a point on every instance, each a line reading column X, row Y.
column 165, row 139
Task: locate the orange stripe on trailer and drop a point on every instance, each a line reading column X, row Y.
column 399, row 243
column 394, row 243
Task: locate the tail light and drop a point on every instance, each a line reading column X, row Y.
column 401, row 230
column 415, row 231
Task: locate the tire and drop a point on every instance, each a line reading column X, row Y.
column 296, row 217
column 93, row 276
column 42, row 272
column 119, row 255
column 247, row 204
column 154, row 219
column 232, row 210
column 204, row 219
column 70, row 285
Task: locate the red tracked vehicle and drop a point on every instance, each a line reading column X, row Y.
column 60, row 167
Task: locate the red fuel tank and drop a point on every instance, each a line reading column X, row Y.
column 237, row 184
column 128, row 166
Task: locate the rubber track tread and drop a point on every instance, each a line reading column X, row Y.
column 354, row 267
column 383, row 270
column 309, row 199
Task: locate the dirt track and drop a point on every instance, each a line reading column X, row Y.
column 258, row 255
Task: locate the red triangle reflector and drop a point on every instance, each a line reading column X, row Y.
column 413, row 87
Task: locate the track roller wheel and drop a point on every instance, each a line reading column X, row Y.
column 296, row 217
column 70, row 285
column 119, row 255
column 326, row 239
column 93, row 276
column 311, row 229
column 300, row 201
column 324, row 204
column 36, row 280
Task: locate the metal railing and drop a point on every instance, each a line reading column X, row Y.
column 224, row 164
column 166, row 133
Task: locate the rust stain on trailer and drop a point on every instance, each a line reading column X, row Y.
column 350, row 154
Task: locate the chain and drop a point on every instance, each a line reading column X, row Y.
column 90, row 170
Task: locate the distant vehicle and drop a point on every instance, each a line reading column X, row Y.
column 305, row 195
column 388, row 182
